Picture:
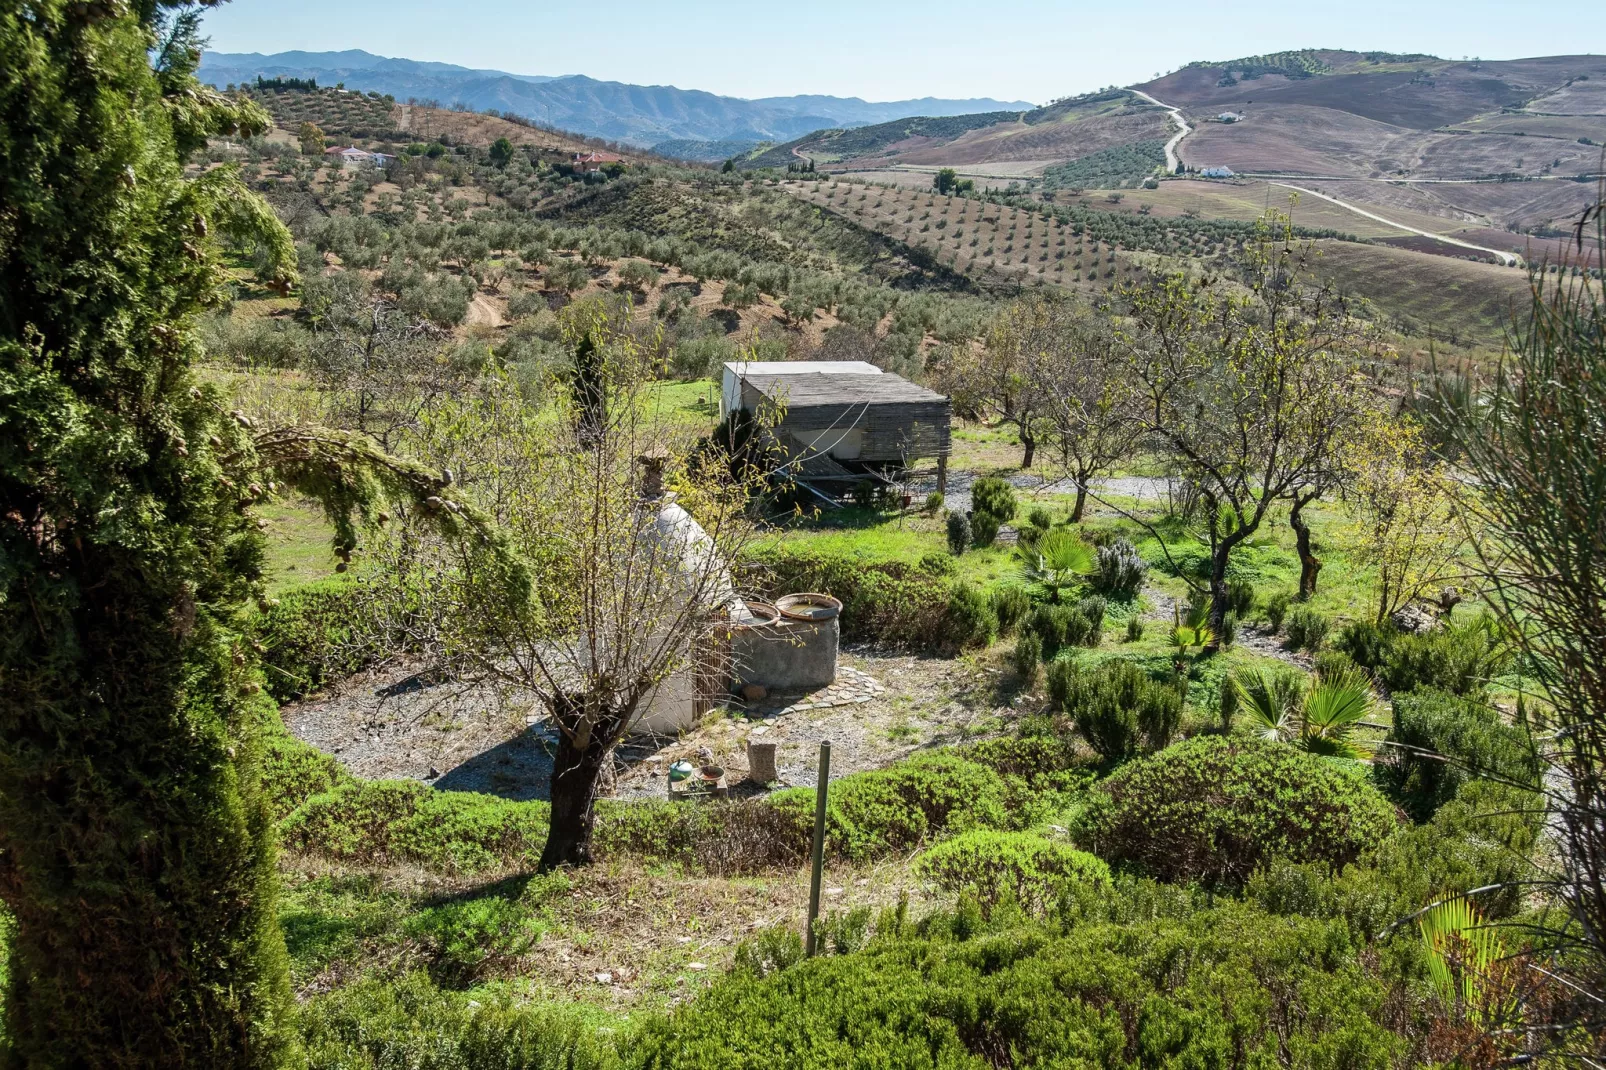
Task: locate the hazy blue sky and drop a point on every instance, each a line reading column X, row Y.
column 891, row 49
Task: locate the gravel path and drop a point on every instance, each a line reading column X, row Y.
column 399, row 723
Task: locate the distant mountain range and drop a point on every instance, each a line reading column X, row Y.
column 634, row 114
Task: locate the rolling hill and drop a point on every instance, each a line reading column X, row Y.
column 634, row 114
column 1497, row 154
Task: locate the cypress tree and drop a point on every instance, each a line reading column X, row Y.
column 136, row 855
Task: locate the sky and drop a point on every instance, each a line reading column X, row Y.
column 1033, row 50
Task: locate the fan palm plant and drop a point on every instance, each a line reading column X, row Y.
column 1465, row 960
column 1059, row 560
column 1331, row 711
column 1272, row 702
column 1321, row 721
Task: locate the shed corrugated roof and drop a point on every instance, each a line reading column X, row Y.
column 839, row 388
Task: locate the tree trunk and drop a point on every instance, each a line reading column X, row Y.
column 1081, row 500
column 1219, row 604
column 576, row 771
column 1309, row 563
column 1029, row 443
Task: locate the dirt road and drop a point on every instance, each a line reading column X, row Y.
column 1183, row 130
column 1508, row 259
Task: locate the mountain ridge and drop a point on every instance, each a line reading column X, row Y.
column 636, row 114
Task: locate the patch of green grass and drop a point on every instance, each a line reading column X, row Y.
column 300, row 549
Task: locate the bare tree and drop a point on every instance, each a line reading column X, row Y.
column 1248, row 392
column 626, row 528
column 1088, row 395
column 1005, row 379
column 381, row 367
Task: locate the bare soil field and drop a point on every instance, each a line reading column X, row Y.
column 1299, row 139
column 1250, row 199
column 1587, row 97
column 1464, row 301
column 1566, row 127
column 1072, row 137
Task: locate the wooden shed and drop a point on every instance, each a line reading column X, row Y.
column 844, row 424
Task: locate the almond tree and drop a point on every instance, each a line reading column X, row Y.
column 626, row 527
column 1088, row 394
column 1248, row 392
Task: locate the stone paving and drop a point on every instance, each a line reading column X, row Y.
column 849, row 688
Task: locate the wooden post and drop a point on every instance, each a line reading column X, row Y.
column 821, row 791
column 942, row 473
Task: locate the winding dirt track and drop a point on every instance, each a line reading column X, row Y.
column 1183, row 130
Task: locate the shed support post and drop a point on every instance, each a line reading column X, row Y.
column 942, row 473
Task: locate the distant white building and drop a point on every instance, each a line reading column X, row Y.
column 1228, row 117
column 353, row 157
column 1216, row 172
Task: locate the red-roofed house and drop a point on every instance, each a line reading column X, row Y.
column 593, row 161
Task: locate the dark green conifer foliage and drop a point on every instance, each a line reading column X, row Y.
column 135, row 847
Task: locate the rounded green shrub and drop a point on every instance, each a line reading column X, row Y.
column 959, row 534
column 994, row 867
column 1307, row 629
column 1028, row 655
column 1216, row 808
column 1276, row 608
column 1442, row 742
column 1011, row 604
column 983, row 529
column 995, row 497
column 1117, row 708
column 971, row 619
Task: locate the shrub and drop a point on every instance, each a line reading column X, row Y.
column 993, row 496
column 771, row 951
column 382, row 822
column 1229, row 629
column 1216, row 808
column 887, row 601
column 293, row 772
column 1469, row 740
column 408, row 1022
column 938, row 564
column 1366, row 643
column 1011, row 604
column 971, row 619
column 1019, row 867
column 1276, row 608
column 1134, row 628
column 983, row 529
column 1226, row 702
column 1116, row 708
column 1092, row 608
column 1307, row 629
column 1231, row 986
column 1460, row 658
column 895, row 808
column 959, row 533
column 1120, row 570
column 470, row 939
column 1240, row 597
column 934, row 502
column 315, row 633
column 1041, row 518
column 1028, row 655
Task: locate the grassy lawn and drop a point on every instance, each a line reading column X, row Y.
column 299, row 544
